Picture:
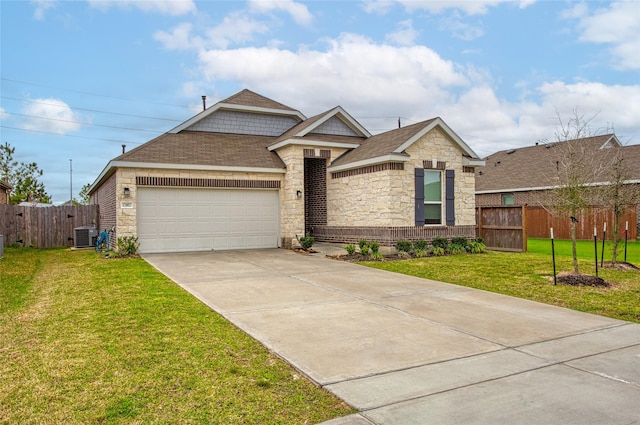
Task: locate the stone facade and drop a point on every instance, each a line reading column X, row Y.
column 387, row 198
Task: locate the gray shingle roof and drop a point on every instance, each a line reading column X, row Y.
column 202, row 148
column 534, row 166
column 249, row 98
column 381, row 144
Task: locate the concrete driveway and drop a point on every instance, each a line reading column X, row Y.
column 404, row 350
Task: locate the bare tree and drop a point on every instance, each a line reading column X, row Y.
column 576, row 169
column 617, row 194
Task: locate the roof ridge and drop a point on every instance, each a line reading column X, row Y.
column 246, row 97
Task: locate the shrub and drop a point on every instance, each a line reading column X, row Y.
column 480, row 240
column 477, row 247
column 364, row 250
column 375, row 247
column 127, row 245
column 455, row 249
column 403, row 245
column 460, row 240
column 377, row 256
column 306, row 242
column 362, row 242
column 351, row 249
column 420, row 253
column 420, row 244
column 440, row 243
column 438, row 251
column 404, row 254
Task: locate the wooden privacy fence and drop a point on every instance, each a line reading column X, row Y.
column 503, row 227
column 46, row 227
column 539, row 221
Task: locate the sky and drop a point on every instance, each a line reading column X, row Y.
column 81, row 78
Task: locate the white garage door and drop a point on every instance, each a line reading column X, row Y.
column 174, row 220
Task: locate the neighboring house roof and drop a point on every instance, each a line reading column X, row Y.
column 391, row 145
column 532, row 167
column 4, row 185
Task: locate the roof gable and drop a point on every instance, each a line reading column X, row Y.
column 245, row 101
column 336, row 123
column 392, row 144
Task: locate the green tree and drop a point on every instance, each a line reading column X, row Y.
column 84, row 195
column 24, row 177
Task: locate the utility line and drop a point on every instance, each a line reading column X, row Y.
column 90, row 110
column 71, row 135
column 84, row 123
column 92, row 94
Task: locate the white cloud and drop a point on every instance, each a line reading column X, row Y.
column 163, row 7
column 473, row 7
column 41, row 6
column 352, row 69
column 460, row 29
column 379, row 7
column 617, row 26
column 179, row 38
column 235, row 28
column 298, row 11
column 50, row 115
column 405, row 35
column 3, row 114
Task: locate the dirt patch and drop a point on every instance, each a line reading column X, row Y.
column 582, row 280
column 621, row 266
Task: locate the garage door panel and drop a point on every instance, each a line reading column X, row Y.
column 186, row 219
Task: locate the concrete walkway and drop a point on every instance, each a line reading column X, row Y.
column 404, row 350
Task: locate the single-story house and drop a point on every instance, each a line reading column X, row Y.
column 249, row 172
column 5, row 188
column 525, row 176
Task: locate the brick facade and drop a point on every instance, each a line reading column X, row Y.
column 105, row 198
column 388, row 236
column 315, row 193
column 4, row 198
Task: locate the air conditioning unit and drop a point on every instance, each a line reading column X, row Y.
column 85, row 236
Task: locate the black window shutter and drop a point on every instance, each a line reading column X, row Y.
column 419, row 178
column 450, row 199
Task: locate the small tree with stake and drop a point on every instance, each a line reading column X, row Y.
column 616, row 194
column 575, row 169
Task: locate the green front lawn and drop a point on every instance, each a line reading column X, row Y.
column 529, row 275
column 89, row 340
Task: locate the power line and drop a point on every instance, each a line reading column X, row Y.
column 90, row 110
column 83, row 123
column 92, row 94
column 71, row 135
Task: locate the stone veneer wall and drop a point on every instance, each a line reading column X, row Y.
column 387, row 198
